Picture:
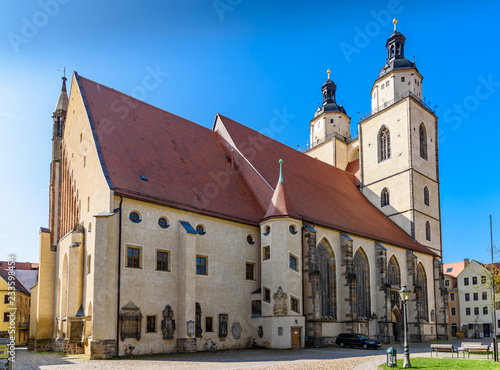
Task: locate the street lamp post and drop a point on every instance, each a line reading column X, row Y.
column 404, row 293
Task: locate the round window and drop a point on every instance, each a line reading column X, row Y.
column 134, row 217
column 250, row 240
column 267, row 230
column 163, row 222
column 200, row 230
column 292, row 229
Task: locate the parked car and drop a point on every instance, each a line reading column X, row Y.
column 356, row 340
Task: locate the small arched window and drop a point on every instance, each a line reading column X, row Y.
column 423, row 141
column 428, row 231
column 384, row 197
column 426, row 195
column 384, row 144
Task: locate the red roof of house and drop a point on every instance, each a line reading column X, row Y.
column 453, row 269
column 191, row 167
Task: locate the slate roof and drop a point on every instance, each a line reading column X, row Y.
column 4, row 274
column 190, row 167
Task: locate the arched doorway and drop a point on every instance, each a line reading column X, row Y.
column 397, row 325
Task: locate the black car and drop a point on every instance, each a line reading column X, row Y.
column 356, row 340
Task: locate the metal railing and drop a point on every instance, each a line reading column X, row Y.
column 387, row 104
column 327, row 138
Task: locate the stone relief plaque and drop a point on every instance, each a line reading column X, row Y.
column 130, row 321
column 168, row 323
column 236, row 330
column 223, row 317
column 279, row 308
column 190, row 328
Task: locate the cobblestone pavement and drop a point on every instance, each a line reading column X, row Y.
column 312, row 358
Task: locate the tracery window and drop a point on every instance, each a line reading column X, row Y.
column 384, row 197
column 393, row 272
column 384, row 144
column 326, row 268
column 421, row 294
column 362, row 291
column 423, row 141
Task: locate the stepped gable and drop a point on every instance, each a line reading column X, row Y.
column 321, row 193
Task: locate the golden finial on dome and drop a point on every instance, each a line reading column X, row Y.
column 395, row 21
column 328, row 73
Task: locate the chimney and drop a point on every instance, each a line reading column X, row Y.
column 466, row 262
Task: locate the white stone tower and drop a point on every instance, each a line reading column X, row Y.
column 399, row 149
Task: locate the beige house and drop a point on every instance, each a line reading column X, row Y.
column 164, row 234
column 451, row 272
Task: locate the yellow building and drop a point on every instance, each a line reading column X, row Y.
column 164, row 234
column 14, row 308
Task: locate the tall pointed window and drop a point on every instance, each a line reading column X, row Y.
column 326, row 268
column 384, row 197
column 362, row 292
column 393, row 272
column 423, row 141
column 428, row 231
column 384, row 144
column 421, row 294
column 426, row 195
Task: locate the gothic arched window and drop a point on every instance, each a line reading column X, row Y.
column 362, row 291
column 384, row 144
column 393, row 272
column 428, row 231
column 423, row 141
column 421, row 294
column 326, row 268
column 384, row 197
column 426, row 195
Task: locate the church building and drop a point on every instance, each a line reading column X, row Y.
column 164, row 234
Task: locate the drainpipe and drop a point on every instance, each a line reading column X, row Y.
column 119, row 270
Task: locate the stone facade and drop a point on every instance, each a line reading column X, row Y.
column 122, row 270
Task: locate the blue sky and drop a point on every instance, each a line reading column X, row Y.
column 252, row 61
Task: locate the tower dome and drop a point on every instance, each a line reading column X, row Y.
column 329, row 90
column 396, row 54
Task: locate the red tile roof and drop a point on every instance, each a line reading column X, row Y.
column 321, row 193
column 353, row 167
column 186, row 165
column 191, row 167
column 454, row 269
column 280, row 205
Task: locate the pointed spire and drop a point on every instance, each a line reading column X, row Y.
column 328, row 71
column 395, row 21
column 62, row 102
column 281, row 170
column 281, row 205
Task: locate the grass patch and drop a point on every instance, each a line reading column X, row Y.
column 446, row 364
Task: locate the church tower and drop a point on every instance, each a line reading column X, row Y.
column 330, row 129
column 399, row 149
column 58, row 118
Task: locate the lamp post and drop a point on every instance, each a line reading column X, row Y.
column 404, row 293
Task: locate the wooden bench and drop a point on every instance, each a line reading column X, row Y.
column 443, row 348
column 474, row 347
